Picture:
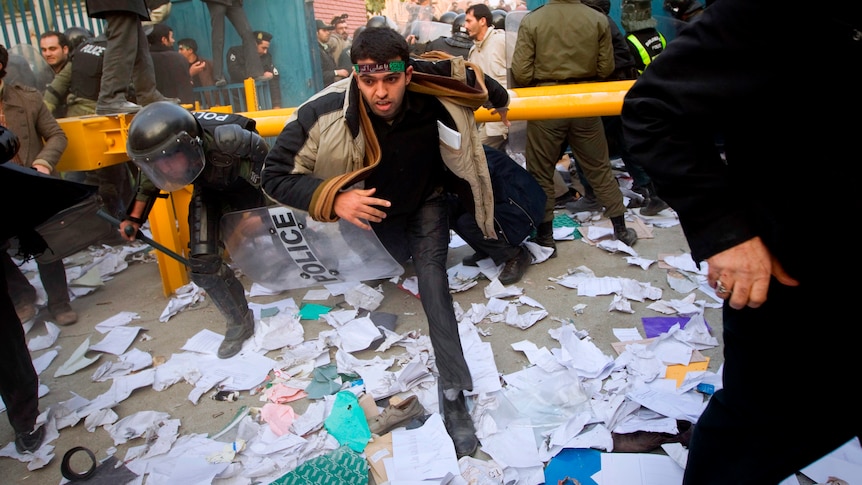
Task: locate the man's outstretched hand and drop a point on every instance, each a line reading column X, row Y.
column 359, row 208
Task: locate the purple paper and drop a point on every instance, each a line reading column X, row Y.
column 655, row 326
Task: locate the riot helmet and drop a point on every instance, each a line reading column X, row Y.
column 9, row 144
column 165, row 142
column 458, row 28
column 448, row 17
column 499, row 17
column 358, row 31
column 76, row 36
column 680, row 9
column 378, row 21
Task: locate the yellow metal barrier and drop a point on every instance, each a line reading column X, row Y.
column 100, row 141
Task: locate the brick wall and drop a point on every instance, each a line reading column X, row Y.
column 355, row 9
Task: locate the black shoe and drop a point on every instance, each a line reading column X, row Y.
column 653, row 206
column 561, row 201
column 545, row 237
column 220, row 82
column 516, row 267
column 473, row 259
column 459, row 425
column 585, row 204
column 627, row 235
column 29, row 441
column 117, row 107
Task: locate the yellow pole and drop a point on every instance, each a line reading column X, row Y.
column 539, row 103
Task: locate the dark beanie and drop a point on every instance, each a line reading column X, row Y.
column 637, row 15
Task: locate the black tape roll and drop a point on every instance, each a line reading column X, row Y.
column 72, row 475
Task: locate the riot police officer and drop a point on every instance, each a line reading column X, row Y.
column 221, row 155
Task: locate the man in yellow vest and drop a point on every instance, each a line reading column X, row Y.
column 645, row 42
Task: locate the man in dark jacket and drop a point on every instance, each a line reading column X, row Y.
column 127, row 57
column 519, row 205
column 172, row 68
column 775, row 283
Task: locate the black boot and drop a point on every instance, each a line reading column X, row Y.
column 235, row 335
column 652, row 204
column 545, row 237
column 622, row 233
column 228, row 295
column 459, row 424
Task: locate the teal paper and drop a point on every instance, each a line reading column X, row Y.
column 325, row 382
column 312, row 311
column 347, row 423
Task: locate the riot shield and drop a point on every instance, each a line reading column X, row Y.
column 426, row 31
column 282, row 249
column 27, row 67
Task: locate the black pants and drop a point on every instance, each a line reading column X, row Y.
column 786, row 387
column 127, row 58
column 19, row 289
column 19, row 384
column 465, row 225
column 209, row 271
column 426, row 233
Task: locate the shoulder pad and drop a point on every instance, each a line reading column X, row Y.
column 210, row 119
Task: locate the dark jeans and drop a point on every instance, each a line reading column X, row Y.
column 19, row 384
column 798, row 406
column 53, row 276
column 426, row 234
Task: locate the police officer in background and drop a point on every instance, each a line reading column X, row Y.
column 645, row 41
column 221, row 155
column 239, row 69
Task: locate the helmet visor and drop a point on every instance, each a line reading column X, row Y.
column 174, row 164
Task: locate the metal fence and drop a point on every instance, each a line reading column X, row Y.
column 233, row 95
column 25, row 20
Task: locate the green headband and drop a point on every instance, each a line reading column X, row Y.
column 391, row 66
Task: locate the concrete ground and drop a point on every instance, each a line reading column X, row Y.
column 138, row 289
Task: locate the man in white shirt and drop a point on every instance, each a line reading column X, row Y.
column 489, row 53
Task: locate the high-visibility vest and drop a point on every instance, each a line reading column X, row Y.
column 644, row 53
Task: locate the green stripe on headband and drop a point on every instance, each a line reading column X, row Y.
column 391, row 66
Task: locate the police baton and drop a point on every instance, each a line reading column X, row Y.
column 141, row 237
